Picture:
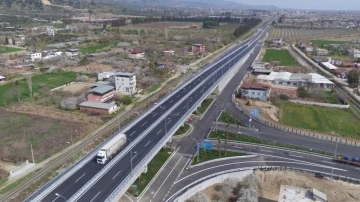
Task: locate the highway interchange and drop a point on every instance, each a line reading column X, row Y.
column 107, row 183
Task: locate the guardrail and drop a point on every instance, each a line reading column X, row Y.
column 121, row 189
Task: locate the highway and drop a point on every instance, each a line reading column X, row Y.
column 193, row 91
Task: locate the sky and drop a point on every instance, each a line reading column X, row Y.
column 308, row 4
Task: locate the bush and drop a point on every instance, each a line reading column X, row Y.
column 284, row 97
column 250, row 190
column 84, row 61
column 82, row 78
column 71, row 103
column 198, row 197
column 127, row 100
column 301, row 92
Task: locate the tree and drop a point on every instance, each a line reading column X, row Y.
column 84, row 61
column 13, row 41
column 6, row 41
column 353, row 77
column 219, row 146
column 28, row 78
column 127, row 100
column 301, row 92
column 18, row 92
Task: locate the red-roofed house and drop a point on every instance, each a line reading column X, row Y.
column 198, row 48
column 136, row 54
column 255, row 91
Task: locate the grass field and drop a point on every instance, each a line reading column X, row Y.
column 322, row 119
column 153, row 167
column 183, row 129
column 154, row 87
column 227, row 118
column 249, row 139
column 326, row 42
column 5, row 49
column 214, row 154
column 93, row 49
column 282, row 57
column 48, row 80
column 204, row 105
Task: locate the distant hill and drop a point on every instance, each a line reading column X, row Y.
column 21, row 4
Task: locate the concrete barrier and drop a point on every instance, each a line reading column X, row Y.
column 320, row 104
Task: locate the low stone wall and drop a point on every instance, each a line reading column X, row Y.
column 320, row 104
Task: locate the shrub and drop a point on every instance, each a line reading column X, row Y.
column 82, row 78
column 301, row 92
column 199, row 197
column 71, row 103
column 284, row 97
column 127, row 100
column 84, row 61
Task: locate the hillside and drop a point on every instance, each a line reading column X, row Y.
column 21, row 4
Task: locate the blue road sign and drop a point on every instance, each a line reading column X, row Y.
column 134, row 186
column 255, row 112
column 206, row 145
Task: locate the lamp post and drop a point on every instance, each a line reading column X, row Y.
column 131, row 158
column 332, row 167
column 58, row 195
column 197, row 148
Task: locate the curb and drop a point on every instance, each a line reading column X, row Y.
column 222, row 159
column 185, row 134
column 207, row 109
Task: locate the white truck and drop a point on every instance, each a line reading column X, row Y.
column 110, row 148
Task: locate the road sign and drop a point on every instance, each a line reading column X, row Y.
column 134, row 186
column 206, row 145
column 250, row 120
column 255, row 112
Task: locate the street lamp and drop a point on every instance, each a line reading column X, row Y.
column 58, row 195
column 332, row 167
column 131, row 158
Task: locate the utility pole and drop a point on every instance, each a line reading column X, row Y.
column 32, row 153
column 332, row 167
column 197, row 149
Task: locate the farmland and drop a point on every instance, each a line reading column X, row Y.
column 281, row 57
column 50, row 80
column 96, row 47
column 4, row 49
column 326, row 42
column 321, row 119
column 307, row 34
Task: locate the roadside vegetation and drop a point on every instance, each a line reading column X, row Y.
column 182, row 130
column 322, row 119
column 5, row 49
column 249, row 139
column 280, row 57
column 204, row 105
column 227, row 118
column 153, row 167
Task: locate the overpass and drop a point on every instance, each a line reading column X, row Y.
column 88, row 181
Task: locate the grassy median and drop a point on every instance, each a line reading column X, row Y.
column 204, row 105
column 182, row 130
column 214, row 154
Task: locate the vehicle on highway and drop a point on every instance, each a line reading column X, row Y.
column 355, row 161
column 319, row 175
column 109, row 149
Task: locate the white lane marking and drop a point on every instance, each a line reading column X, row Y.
column 178, row 95
column 266, row 151
column 190, row 100
column 182, row 169
column 295, row 156
column 144, row 123
column 154, row 115
column 116, row 174
column 167, row 176
column 171, row 101
column 328, row 162
column 147, row 143
column 55, row 199
column 80, row 178
column 168, row 122
column 95, row 196
column 128, row 197
column 134, row 156
column 158, row 132
column 357, row 168
column 132, row 133
column 177, row 113
column 184, row 107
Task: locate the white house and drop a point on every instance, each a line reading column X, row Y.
column 320, row 51
column 51, row 54
column 169, row 52
column 72, row 53
column 355, row 53
column 50, row 31
column 125, row 82
column 105, row 75
column 137, row 54
column 255, row 91
column 32, row 56
column 309, row 49
column 2, row 78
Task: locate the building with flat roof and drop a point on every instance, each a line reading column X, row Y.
column 101, row 93
column 125, row 82
column 296, row 194
column 255, row 91
column 320, row 51
column 98, row 107
column 198, row 48
column 137, row 54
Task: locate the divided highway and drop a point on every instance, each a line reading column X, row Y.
column 192, row 91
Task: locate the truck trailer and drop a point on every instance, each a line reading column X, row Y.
column 109, row 149
column 355, row 161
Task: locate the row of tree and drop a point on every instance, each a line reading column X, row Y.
column 248, row 24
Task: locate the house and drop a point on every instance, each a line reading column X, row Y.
column 100, row 93
column 50, row 31
column 137, row 54
column 72, row 53
column 255, row 91
column 32, row 56
column 51, row 54
column 198, row 48
column 329, row 65
column 290, row 194
column 354, row 53
column 260, row 68
column 98, row 107
column 169, row 52
column 278, row 41
column 2, row 78
column 309, row 49
column 106, row 75
column 321, row 51
column 19, row 40
column 125, row 82
column 296, row 80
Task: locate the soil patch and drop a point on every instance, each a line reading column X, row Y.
column 76, row 88
column 92, row 68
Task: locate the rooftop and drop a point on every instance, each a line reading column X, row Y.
column 97, row 105
column 124, row 74
column 255, row 86
column 136, row 52
column 317, row 78
column 73, row 50
column 101, row 89
column 2, row 77
column 329, row 65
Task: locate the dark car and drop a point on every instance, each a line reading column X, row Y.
column 319, row 175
